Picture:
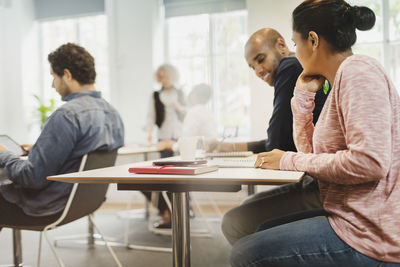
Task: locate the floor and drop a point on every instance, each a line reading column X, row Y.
column 213, row 251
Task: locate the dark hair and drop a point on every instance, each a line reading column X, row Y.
column 76, row 59
column 335, row 20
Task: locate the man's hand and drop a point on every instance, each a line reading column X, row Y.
column 269, row 160
column 311, row 83
column 27, row 148
column 215, row 146
column 3, row 148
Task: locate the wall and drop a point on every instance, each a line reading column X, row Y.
column 2, row 89
column 18, row 72
column 134, row 37
column 266, row 14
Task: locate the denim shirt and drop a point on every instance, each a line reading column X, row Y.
column 84, row 124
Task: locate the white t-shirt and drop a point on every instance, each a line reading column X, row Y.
column 199, row 121
column 171, row 127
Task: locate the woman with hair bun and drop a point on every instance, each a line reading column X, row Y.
column 353, row 151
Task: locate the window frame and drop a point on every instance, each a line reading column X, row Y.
column 211, row 56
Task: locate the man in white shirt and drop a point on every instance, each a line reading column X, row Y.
column 199, row 121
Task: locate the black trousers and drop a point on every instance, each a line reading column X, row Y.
column 161, row 205
column 282, row 204
column 13, row 215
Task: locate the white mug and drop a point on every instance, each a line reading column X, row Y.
column 187, row 147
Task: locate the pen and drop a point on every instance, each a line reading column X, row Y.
column 262, row 162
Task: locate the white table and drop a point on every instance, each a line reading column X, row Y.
column 223, row 180
column 134, row 153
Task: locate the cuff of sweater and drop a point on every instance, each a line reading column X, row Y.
column 5, row 156
column 286, row 163
column 304, row 100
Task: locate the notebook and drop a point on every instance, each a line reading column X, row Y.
column 229, row 154
column 243, row 162
column 173, row 169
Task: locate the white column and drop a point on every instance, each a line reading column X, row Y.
column 275, row 14
column 2, row 88
column 134, row 34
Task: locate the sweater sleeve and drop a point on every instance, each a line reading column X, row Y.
column 303, row 127
column 364, row 114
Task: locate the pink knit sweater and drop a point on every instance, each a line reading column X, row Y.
column 354, row 152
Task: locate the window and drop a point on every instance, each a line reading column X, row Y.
column 208, row 48
column 88, row 32
column 383, row 40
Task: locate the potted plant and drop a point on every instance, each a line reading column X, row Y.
column 43, row 110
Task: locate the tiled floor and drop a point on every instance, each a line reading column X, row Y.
column 212, row 252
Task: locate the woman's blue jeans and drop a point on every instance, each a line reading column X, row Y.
column 308, row 242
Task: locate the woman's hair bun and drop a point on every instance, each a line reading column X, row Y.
column 364, row 18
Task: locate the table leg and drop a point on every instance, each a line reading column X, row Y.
column 180, row 230
column 251, row 189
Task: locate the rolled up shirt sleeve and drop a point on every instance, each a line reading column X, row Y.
column 47, row 156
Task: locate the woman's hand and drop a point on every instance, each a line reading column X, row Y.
column 178, row 107
column 269, row 160
column 165, row 145
column 310, row 83
column 150, row 137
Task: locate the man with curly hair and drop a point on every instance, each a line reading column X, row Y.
column 85, row 123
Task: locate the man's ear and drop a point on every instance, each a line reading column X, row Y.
column 67, row 74
column 280, row 45
column 313, row 38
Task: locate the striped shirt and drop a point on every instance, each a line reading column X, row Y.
column 354, row 152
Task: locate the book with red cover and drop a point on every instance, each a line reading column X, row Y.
column 173, row 169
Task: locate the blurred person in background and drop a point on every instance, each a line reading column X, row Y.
column 166, row 110
column 199, row 120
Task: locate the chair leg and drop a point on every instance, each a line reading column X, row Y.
column 17, row 247
column 90, row 240
column 60, row 262
column 39, row 249
column 105, row 241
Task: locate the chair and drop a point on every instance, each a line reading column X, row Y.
column 230, row 132
column 93, row 195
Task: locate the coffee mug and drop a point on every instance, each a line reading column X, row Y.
column 187, row 147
